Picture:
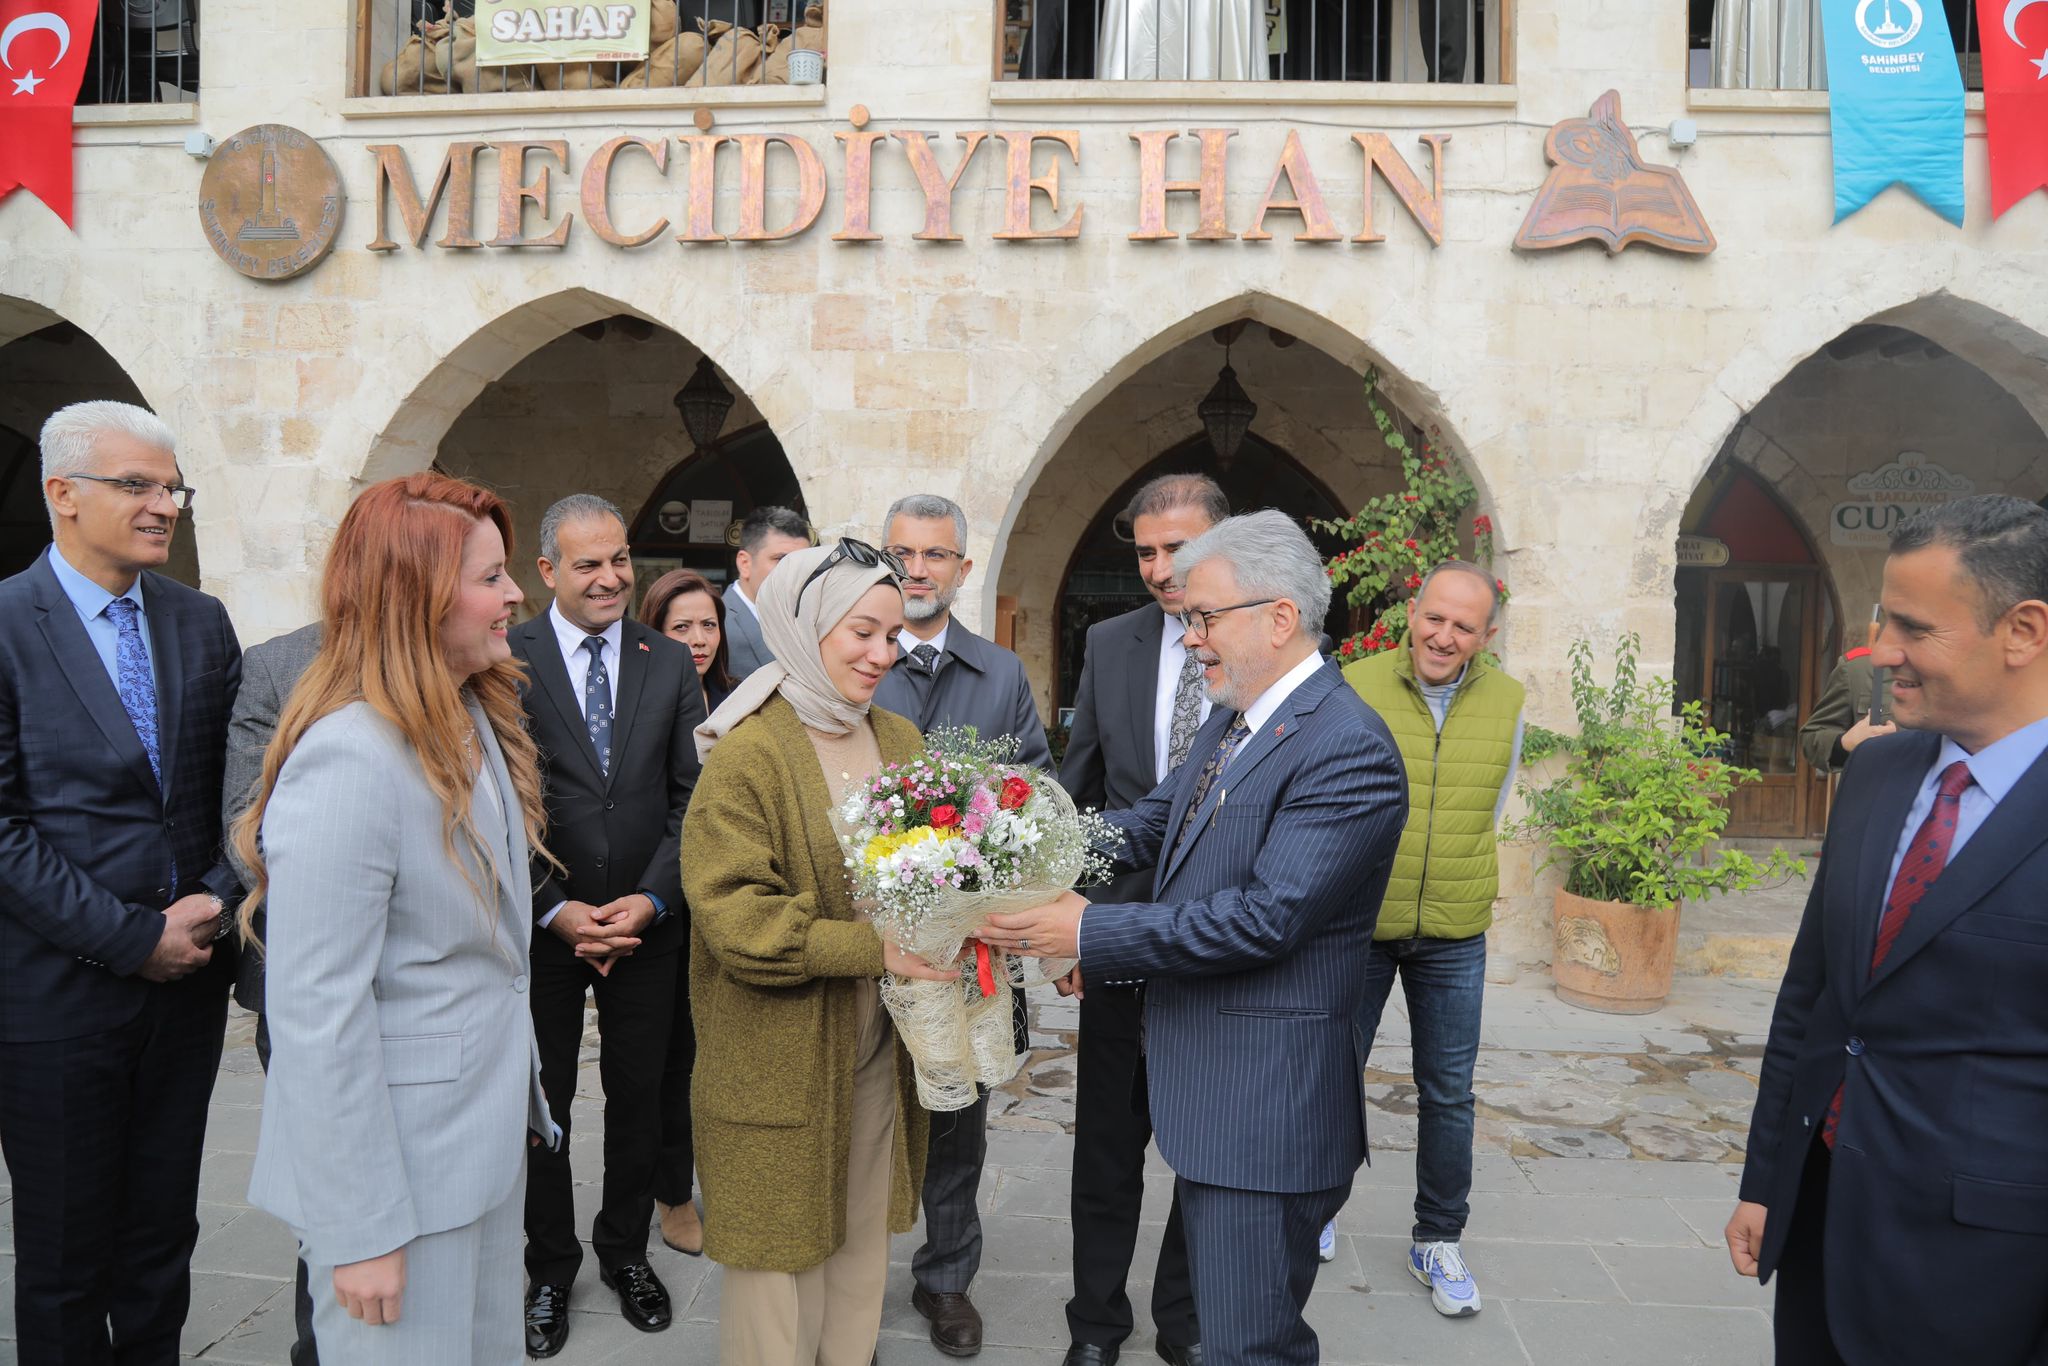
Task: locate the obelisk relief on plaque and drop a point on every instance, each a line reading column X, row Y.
column 1601, row 190
column 270, row 202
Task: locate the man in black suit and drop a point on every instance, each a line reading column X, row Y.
column 1897, row 1182
column 612, row 705
column 1138, row 707
column 947, row 676
column 115, row 687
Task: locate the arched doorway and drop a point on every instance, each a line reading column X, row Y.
column 692, row 518
column 40, row 372
column 1757, row 632
column 1102, row 576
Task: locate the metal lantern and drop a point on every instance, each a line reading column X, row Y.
column 704, row 402
column 1227, row 413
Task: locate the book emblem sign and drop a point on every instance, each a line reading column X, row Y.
column 1601, row 190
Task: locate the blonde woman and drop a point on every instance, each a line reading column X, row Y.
column 389, row 836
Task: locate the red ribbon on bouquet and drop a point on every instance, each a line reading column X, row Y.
column 984, row 968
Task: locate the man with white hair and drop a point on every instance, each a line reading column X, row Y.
column 115, row 689
column 1272, row 847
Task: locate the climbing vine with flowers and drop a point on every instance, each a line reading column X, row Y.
column 1398, row 537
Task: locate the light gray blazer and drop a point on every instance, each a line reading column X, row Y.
column 403, row 1072
column 744, row 649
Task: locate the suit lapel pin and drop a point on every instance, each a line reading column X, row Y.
column 1280, row 730
column 644, row 649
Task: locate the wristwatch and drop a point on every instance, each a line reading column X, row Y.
column 225, row 917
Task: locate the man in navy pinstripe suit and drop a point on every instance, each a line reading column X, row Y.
column 1272, row 846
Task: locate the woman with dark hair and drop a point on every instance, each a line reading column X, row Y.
column 388, row 844
column 684, row 605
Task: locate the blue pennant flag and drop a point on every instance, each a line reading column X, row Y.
column 1895, row 103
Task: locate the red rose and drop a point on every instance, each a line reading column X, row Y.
column 945, row 817
column 1015, row 793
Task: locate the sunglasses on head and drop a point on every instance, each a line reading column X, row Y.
column 860, row 553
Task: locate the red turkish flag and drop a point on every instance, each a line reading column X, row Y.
column 2014, row 37
column 43, row 46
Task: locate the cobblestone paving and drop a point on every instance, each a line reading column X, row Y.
column 1608, row 1153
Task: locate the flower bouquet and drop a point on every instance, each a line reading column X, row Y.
column 935, row 845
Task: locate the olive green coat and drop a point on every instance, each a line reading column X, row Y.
column 775, row 956
column 1843, row 701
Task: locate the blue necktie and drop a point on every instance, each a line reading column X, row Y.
column 597, row 705
column 134, row 680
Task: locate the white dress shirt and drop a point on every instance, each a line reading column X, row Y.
column 1172, row 658
column 1261, row 711
column 907, row 642
column 577, row 659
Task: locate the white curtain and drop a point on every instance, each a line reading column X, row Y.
column 1769, row 45
column 1182, row 40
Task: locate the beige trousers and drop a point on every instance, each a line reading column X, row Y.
column 830, row 1314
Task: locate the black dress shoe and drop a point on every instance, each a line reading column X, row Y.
column 547, row 1319
column 1088, row 1354
column 1188, row 1354
column 643, row 1299
column 956, row 1323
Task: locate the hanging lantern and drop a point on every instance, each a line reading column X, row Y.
column 1227, row 414
column 704, row 402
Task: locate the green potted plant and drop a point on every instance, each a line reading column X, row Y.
column 1632, row 816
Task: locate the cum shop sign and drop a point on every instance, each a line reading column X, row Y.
column 1882, row 498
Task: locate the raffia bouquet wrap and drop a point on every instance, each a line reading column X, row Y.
column 933, row 846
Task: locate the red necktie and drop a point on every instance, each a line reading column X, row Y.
column 1925, row 857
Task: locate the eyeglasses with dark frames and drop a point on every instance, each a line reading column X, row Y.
column 146, row 490
column 860, row 553
column 1196, row 623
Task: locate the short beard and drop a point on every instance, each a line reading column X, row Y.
column 1228, row 692
column 924, row 609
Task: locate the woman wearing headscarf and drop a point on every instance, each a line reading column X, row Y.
column 810, row 1141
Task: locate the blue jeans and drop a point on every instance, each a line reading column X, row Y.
column 1445, row 982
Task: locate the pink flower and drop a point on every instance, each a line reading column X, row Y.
column 972, row 824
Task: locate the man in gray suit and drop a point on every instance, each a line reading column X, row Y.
column 766, row 536
column 948, row 676
column 269, row 673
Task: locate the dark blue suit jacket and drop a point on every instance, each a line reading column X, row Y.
column 1255, row 947
column 1937, row 1212
column 87, row 834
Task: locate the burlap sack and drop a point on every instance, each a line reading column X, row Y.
column 581, row 75
column 421, row 66
column 735, row 59
column 810, row 35
column 472, row 79
column 673, row 61
column 661, row 23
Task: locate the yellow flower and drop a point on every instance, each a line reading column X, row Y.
column 881, row 846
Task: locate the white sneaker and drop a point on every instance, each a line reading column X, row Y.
column 1326, row 1246
column 1441, row 1267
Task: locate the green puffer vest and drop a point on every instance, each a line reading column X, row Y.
column 1446, row 871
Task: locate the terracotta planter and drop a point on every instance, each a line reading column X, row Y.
column 1611, row 956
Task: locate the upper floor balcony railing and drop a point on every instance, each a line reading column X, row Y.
column 429, row 47
column 143, row 52
column 1776, row 44
column 1434, row 41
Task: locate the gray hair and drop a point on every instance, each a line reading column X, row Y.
column 928, row 505
column 1271, row 557
column 1466, row 567
column 575, row 508
column 2002, row 543
column 1170, row 491
column 71, row 437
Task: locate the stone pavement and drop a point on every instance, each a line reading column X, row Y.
column 1608, row 1153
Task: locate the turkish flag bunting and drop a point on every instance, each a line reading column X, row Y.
column 43, row 47
column 2014, row 36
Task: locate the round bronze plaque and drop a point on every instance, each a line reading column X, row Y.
column 270, row 202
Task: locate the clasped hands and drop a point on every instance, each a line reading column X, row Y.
column 601, row 935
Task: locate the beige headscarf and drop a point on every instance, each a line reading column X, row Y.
column 792, row 629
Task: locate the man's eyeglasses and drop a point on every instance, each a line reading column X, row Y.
column 1196, row 623
column 146, row 490
column 937, row 558
column 861, row 553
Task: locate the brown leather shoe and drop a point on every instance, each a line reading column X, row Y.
column 956, row 1323
column 681, row 1229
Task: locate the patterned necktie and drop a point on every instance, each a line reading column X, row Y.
column 1238, row 733
column 133, row 678
column 597, row 704
column 1925, row 857
column 926, row 657
column 1187, row 711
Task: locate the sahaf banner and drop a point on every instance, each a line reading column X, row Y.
column 43, row 44
column 523, row 32
column 1895, row 103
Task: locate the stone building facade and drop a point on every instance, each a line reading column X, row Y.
column 1604, row 403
